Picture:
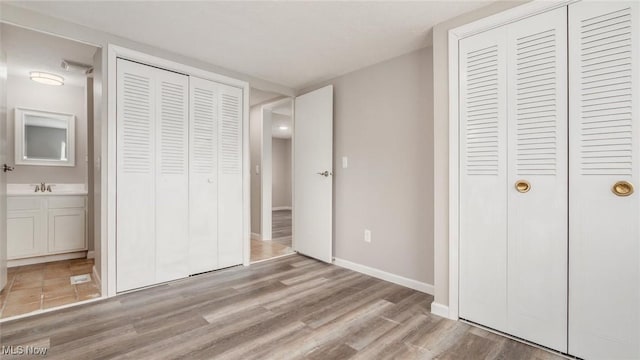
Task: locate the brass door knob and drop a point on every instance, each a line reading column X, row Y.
column 622, row 188
column 523, row 186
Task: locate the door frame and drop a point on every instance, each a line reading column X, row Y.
column 108, row 247
column 266, row 162
column 451, row 310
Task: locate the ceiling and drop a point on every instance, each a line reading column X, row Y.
column 295, row 44
column 258, row 96
column 29, row 50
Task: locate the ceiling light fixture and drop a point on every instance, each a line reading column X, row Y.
column 46, row 78
column 284, row 127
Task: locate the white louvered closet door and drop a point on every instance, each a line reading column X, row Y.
column 604, row 273
column 136, row 191
column 203, row 178
column 537, row 157
column 483, row 179
column 230, row 212
column 172, row 176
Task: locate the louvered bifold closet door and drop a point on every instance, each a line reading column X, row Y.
column 135, row 162
column 537, row 158
column 483, row 179
column 172, row 176
column 230, row 210
column 604, row 244
column 203, row 178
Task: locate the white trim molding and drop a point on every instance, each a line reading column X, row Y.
column 277, row 208
column 455, row 35
column 383, row 275
column 256, row 236
column 47, row 258
column 441, row 310
column 91, row 254
column 97, row 279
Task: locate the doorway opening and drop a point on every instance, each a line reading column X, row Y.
column 49, row 258
column 271, row 136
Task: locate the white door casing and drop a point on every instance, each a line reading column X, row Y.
column 313, row 174
column 537, row 153
column 604, row 233
column 3, row 178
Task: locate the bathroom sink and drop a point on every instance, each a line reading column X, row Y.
column 56, row 190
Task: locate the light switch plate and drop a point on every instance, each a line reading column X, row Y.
column 345, row 162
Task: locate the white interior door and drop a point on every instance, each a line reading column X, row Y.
column 537, row 157
column 172, row 176
column 3, row 177
column 230, row 194
column 136, row 183
column 313, row 174
column 203, row 176
column 483, row 179
column 604, row 243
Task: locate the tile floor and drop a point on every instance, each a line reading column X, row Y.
column 42, row 286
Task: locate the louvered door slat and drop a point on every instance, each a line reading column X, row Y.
column 537, row 153
column 230, row 108
column 483, row 205
column 172, row 177
column 604, row 234
column 203, row 179
column 135, row 161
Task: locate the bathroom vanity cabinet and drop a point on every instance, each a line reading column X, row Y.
column 42, row 228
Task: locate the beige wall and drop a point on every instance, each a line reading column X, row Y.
column 383, row 124
column 281, row 172
column 441, row 140
column 22, row 92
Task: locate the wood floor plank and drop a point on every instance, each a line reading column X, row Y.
column 286, row 308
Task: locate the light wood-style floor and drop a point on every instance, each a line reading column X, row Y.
column 287, row 308
column 281, row 234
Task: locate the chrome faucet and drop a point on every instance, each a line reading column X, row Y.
column 43, row 187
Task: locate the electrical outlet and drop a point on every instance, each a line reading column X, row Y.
column 367, row 235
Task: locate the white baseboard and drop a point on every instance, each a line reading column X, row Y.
column 440, row 310
column 396, row 279
column 255, row 236
column 46, row 258
column 276, row 208
column 91, row 254
column 97, row 279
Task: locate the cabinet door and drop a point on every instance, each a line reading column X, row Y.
column 537, row 157
column 230, row 182
column 66, row 230
column 203, row 176
column 604, row 244
column 135, row 182
column 483, row 179
column 24, row 234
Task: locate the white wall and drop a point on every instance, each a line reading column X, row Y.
column 383, row 122
column 23, row 92
column 255, row 135
column 441, row 141
column 281, row 172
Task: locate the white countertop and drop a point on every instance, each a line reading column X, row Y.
column 56, row 190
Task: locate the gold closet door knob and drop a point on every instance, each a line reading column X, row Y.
column 622, row 188
column 523, row 186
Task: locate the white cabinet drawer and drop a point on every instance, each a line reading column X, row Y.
column 24, row 203
column 66, row 202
